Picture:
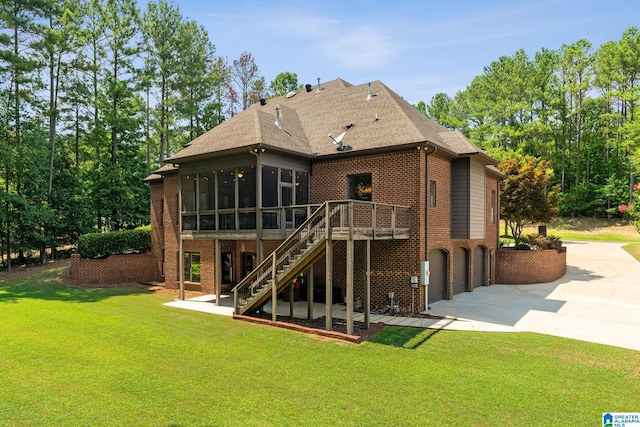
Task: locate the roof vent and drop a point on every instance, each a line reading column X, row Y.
column 278, row 117
column 370, row 95
column 263, row 101
column 291, row 94
column 319, row 88
column 307, row 87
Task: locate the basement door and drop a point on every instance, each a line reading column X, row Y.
column 460, row 270
column 479, row 267
column 438, row 275
column 247, row 263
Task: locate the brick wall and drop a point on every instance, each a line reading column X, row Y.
column 526, row 267
column 206, row 249
column 439, row 226
column 114, row 269
column 171, row 231
column 397, row 178
column 157, row 225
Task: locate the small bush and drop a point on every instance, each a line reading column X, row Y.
column 100, row 245
column 538, row 242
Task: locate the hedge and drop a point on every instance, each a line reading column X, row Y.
column 100, row 245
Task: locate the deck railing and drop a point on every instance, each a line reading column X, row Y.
column 345, row 219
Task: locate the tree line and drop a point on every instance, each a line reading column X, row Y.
column 576, row 108
column 94, row 95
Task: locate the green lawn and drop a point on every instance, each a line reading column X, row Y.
column 595, row 229
column 602, row 237
column 633, row 249
column 117, row 357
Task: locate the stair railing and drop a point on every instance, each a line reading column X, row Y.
column 265, row 273
column 347, row 215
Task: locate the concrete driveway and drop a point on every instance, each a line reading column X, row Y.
column 598, row 300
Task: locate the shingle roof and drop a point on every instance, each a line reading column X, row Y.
column 307, row 118
column 159, row 174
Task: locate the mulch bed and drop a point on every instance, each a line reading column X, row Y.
column 316, row 326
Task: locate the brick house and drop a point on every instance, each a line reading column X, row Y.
column 349, row 188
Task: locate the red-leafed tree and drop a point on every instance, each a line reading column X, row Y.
column 525, row 195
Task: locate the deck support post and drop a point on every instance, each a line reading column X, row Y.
column 291, row 294
column 349, row 298
column 329, row 284
column 309, row 276
column 218, row 267
column 274, row 290
column 181, row 268
column 367, row 284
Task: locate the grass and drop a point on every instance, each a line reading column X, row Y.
column 601, row 237
column 587, row 229
column 633, row 249
column 114, row 357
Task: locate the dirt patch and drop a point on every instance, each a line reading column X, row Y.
column 174, row 292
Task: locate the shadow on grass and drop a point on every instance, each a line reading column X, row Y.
column 405, row 337
column 48, row 286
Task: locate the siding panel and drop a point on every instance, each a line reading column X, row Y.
column 460, row 198
column 477, row 219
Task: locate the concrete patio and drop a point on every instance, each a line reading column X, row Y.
column 598, row 300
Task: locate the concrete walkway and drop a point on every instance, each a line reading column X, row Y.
column 598, row 300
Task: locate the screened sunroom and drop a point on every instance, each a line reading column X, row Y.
column 244, row 196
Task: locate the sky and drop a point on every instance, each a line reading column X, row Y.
column 416, row 48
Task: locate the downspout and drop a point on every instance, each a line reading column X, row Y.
column 426, row 219
column 492, row 257
column 180, row 243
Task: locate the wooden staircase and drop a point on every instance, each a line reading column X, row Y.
column 335, row 220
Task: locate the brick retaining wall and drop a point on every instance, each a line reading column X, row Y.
column 527, row 267
column 114, row 269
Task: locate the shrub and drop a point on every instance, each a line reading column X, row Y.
column 538, row 242
column 99, row 245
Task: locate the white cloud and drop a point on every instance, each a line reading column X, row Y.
column 361, row 47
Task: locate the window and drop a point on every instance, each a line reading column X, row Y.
column 286, row 175
column 189, row 222
column 227, row 267
column 206, row 192
column 188, row 188
column 493, row 206
column 226, row 189
column 226, row 199
column 269, row 186
column 247, row 187
column 302, row 188
column 432, row 193
column 360, row 187
column 192, row 267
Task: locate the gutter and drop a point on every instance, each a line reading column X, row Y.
column 426, row 219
